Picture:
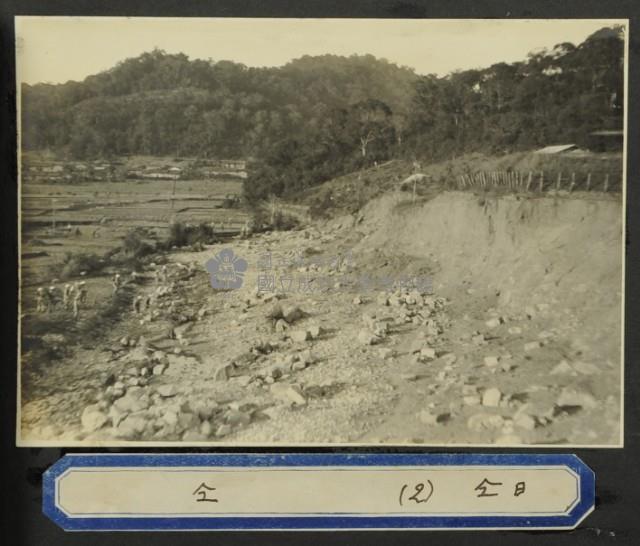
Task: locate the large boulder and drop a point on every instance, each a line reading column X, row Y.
column 292, row 313
column 93, row 418
column 290, row 394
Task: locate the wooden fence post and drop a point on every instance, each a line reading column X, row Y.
column 529, row 181
column 559, row 180
column 573, row 182
column 588, row 181
column 606, row 182
column 541, row 183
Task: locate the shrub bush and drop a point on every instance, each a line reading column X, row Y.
column 181, row 234
column 74, row 264
column 135, row 245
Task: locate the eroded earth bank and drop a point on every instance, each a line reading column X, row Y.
column 514, row 339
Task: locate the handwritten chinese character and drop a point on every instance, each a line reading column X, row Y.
column 484, row 486
column 520, row 488
column 204, row 493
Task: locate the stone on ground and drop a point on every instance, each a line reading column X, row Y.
column 493, row 323
column 508, row 440
column 289, row 394
column 491, row 397
column 223, row 430
column 93, row 418
column 491, row 361
column 482, row 421
column 573, row 397
column 299, row 336
column 524, row 421
column 385, row 352
column 585, row 368
column 428, row 353
column 292, row 313
column 562, row 368
column 365, row 337
column 428, row 418
column 223, row 372
column 167, row 391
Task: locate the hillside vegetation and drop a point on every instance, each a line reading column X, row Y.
column 320, row 117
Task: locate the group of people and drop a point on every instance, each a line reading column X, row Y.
column 72, row 295
column 117, row 281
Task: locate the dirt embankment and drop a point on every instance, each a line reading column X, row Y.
column 519, row 342
column 566, row 252
column 579, row 170
column 551, row 266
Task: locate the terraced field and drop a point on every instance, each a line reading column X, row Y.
column 58, row 218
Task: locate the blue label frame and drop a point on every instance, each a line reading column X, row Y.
column 320, row 523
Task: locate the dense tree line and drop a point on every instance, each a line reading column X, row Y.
column 555, row 96
column 318, row 117
column 163, row 104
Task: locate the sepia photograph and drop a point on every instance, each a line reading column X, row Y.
column 317, row 232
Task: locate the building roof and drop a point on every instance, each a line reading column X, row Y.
column 607, row 133
column 559, row 148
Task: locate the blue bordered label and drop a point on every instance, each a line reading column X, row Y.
column 317, row 492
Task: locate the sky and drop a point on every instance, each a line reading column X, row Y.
column 59, row 49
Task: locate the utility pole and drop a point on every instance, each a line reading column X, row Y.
column 173, row 193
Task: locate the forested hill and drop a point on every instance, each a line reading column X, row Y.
column 161, row 103
column 319, row 117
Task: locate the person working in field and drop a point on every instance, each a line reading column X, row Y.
column 52, row 298
column 82, row 289
column 67, row 293
column 116, row 283
column 244, row 232
column 41, row 305
column 156, row 274
column 76, row 305
column 137, row 305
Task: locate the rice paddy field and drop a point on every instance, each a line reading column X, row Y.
column 93, row 217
